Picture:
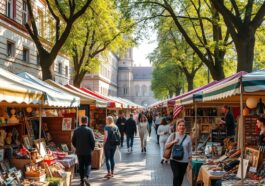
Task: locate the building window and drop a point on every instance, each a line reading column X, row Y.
column 38, row 58
column 125, row 90
column 137, row 90
column 25, row 54
column 41, row 22
column 66, row 70
column 144, row 90
column 9, row 8
column 10, row 49
column 60, row 68
column 24, row 12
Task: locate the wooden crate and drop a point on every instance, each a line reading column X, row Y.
column 97, row 158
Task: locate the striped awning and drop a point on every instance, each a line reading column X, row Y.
column 176, row 111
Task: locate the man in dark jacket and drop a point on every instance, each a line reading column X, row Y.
column 228, row 121
column 130, row 131
column 121, row 125
column 84, row 142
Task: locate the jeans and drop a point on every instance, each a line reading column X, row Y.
column 179, row 170
column 129, row 139
column 157, row 136
column 109, row 156
column 84, row 165
column 150, row 127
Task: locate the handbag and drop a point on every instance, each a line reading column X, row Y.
column 178, row 150
column 167, row 151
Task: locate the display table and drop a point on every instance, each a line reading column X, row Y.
column 69, row 163
column 238, row 182
column 205, row 176
column 97, row 158
column 196, row 165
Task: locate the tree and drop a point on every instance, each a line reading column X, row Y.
column 242, row 19
column 172, row 50
column 209, row 38
column 65, row 13
column 166, row 81
column 104, row 30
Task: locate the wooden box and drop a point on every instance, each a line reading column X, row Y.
column 97, row 159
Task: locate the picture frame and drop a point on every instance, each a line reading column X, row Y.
column 26, row 141
column 41, row 146
column 2, row 153
column 65, row 147
column 67, row 124
column 253, row 155
column 205, row 128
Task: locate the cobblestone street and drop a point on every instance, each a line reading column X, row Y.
column 136, row 168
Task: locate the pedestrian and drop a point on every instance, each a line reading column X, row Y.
column 143, row 132
column 163, row 131
column 150, row 122
column 130, row 131
column 84, row 142
column 261, row 142
column 228, row 121
column 121, row 125
column 157, row 123
column 109, row 147
column 179, row 167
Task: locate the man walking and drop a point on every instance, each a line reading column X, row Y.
column 130, row 131
column 84, row 142
column 121, row 125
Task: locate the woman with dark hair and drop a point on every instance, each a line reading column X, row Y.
column 143, row 132
column 179, row 137
column 261, row 125
column 163, row 131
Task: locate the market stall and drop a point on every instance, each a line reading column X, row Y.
column 246, row 90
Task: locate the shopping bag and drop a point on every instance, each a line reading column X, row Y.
column 117, row 155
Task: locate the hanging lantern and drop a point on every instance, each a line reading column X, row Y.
column 245, row 111
column 252, row 102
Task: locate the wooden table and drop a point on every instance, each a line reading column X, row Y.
column 205, row 176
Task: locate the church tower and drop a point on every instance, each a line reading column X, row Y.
column 125, row 75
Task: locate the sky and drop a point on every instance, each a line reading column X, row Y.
column 141, row 52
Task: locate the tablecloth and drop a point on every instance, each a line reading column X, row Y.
column 69, row 160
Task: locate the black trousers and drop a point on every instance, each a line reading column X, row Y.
column 179, row 170
column 122, row 137
column 157, row 136
column 84, row 165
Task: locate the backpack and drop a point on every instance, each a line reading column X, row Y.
column 114, row 137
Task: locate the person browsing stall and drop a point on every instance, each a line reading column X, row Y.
column 228, row 121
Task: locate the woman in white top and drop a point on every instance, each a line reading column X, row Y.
column 179, row 166
column 163, row 131
column 143, row 132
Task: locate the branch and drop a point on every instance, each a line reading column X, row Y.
column 81, row 11
column 61, row 11
column 57, row 20
column 258, row 19
column 32, row 19
column 233, row 2
column 227, row 15
column 229, row 23
column 248, row 12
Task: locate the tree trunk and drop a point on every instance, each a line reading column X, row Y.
column 190, row 82
column 77, row 81
column 47, row 67
column 245, row 51
column 217, row 71
column 178, row 89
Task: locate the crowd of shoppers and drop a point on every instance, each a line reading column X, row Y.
column 168, row 134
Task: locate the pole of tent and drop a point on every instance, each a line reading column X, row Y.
column 195, row 124
column 40, row 118
column 242, row 132
column 77, row 119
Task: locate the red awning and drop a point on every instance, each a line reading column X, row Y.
column 112, row 103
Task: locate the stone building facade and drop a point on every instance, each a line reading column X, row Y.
column 119, row 77
column 18, row 52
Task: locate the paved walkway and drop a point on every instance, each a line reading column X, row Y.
column 136, row 168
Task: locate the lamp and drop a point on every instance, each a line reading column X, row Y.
column 251, row 102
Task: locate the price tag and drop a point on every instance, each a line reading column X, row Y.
column 253, row 169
